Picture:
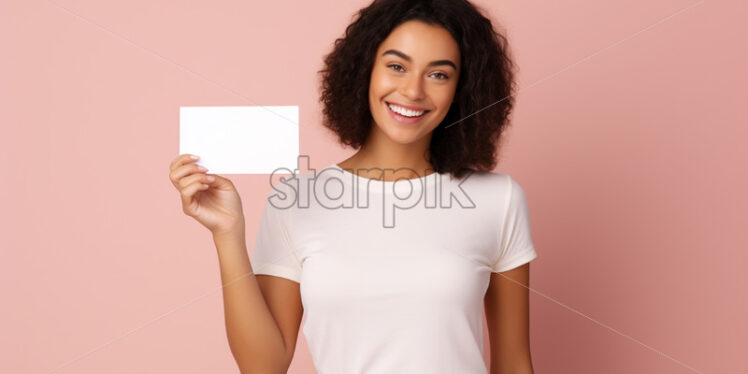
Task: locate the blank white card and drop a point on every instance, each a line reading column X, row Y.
column 240, row 139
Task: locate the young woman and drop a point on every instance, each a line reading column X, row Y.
column 396, row 284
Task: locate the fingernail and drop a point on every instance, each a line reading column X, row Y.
column 194, row 157
column 202, row 168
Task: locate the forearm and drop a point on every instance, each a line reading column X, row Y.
column 255, row 340
column 511, row 366
column 512, row 370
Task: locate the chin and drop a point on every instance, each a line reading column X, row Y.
column 402, row 135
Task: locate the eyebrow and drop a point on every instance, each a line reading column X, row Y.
column 407, row 58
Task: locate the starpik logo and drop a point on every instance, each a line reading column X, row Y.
column 336, row 188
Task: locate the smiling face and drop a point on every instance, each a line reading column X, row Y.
column 417, row 66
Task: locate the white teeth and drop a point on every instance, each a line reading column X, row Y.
column 406, row 112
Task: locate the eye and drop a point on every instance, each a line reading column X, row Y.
column 391, row 65
column 395, row 66
column 443, row 75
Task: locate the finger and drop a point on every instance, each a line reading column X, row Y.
column 184, row 171
column 181, row 160
column 192, row 178
column 189, row 192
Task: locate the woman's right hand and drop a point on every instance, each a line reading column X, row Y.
column 209, row 198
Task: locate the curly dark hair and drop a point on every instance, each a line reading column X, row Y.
column 469, row 136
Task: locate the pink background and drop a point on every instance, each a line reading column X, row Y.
column 633, row 161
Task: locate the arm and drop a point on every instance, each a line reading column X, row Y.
column 262, row 317
column 507, row 315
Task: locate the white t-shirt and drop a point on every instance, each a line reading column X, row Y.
column 395, row 285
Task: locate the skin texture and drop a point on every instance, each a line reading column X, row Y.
column 283, row 298
column 508, row 320
column 391, row 145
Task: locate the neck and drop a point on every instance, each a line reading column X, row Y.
column 380, row 152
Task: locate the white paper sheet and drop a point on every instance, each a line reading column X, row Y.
column 240, row 139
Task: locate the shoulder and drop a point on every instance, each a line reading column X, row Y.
column 500, row 188
column 489, row 180
column 500, row 180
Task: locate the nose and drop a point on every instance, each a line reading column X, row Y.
column 412, row 88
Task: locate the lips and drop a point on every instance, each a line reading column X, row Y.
column 408, row 106
column 403, row 119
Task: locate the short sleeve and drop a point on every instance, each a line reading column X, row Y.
column 515, row 244
column 273, row 252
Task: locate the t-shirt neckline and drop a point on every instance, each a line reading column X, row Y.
column 380, row 185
